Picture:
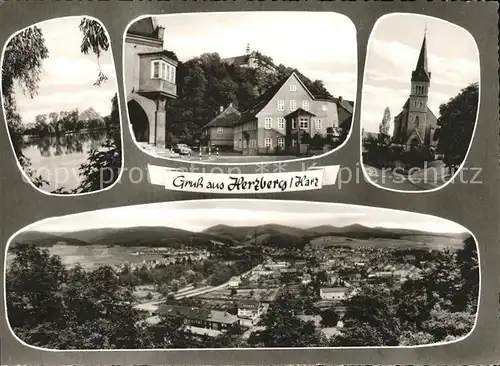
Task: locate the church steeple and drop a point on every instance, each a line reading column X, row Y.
column 421, row 72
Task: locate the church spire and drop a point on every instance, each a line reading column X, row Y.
column 421, row 72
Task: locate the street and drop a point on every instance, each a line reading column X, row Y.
column 389, row 179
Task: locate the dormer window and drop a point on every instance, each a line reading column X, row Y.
column 162, row 70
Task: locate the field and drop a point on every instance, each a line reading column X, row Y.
column 413, row 242
column 92, row 256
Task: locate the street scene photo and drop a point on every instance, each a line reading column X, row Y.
column 222, row 87
column 420, row 102
column 241, row 274
column 59, row 93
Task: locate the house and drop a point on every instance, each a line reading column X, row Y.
column 251, row 59
column 150, row 81
column 198, row 317
column 249, row 312
column 280, row 119
column 416, row 124
column 333, row 293
column 219, row 131
column 235, row 281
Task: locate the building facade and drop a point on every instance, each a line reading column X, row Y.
column 252, row 60
column 278, row 119
column 150, row 74
column 333, row 293
column 416, row 124
column 219, row 131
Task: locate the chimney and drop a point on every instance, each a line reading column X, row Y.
column 231, row 104
column 340, row 98
column 160, row 31
column 221, row 108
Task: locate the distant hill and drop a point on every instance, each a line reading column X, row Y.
column 272, row 235
column 45, row 239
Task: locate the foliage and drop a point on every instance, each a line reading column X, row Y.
column 439, row 306
column 49, row 306
column 329, row 318
column 385, row 125
column 94, row 39
column 456, row 125
column 284, row 329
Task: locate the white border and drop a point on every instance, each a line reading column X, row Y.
column 367, row 177
column 257, row 162
column 200, row 202
column 117, row 97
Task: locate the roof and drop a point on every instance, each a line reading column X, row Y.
column 169, row 54
column 144, row 27
column 301, row 112
column 334, row 289
column 248, row 304
column 238, row 60
column 203, row 331
column 421, row 72
column 227, row 118
column 265, row 98
column 348, row 105
column 197, row 314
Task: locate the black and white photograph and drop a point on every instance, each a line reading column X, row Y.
column 241, row 274
column 240, row 87
column 59, row 93
column 420, row 102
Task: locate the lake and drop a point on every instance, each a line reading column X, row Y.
column 58, row 158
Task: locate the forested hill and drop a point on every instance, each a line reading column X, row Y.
column 205, row 83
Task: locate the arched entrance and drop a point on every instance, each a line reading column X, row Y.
column 413, row 143
column 139, row 121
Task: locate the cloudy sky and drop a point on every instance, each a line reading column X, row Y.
column 291, row 38
column 68, row 76
column 393, row 51
column 199, row 215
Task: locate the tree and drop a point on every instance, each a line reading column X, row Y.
column 329, row 318
column 385, row 125
column 456, row 125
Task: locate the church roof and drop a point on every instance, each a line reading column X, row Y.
column 143, row 27
column 421, row 72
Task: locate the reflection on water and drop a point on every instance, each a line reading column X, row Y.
column 58, row 158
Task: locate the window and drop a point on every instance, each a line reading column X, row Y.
column 281, row 123
column 162, row 70
column 303, row 123
column 268, row 142
column 305, row 105
column 318, row 124
column 220, row 130
column 281, row 141
column 281, row 105
column 294, row 142
column 294, row 123
column 417, row 121
column 156, row 70
column 268, row 123
column 293, row 87
column 293, row 105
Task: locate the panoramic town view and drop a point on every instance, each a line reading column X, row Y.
column 240, row 273
column 60, row 102
column 420, row 102
column 215, row 87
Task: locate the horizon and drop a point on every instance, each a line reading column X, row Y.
column 392, row 56
column 197, row 216
column 67, row 77
column 245, row 226
column 191, row 35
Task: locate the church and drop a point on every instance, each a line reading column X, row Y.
column 416, row 124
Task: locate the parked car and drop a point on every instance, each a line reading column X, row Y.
column 183, row 149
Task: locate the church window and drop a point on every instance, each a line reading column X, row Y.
column 417, row 121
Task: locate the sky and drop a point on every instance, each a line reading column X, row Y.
column 68, row 76
column 393, row 50
column 202, row 214
column 290, row 38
